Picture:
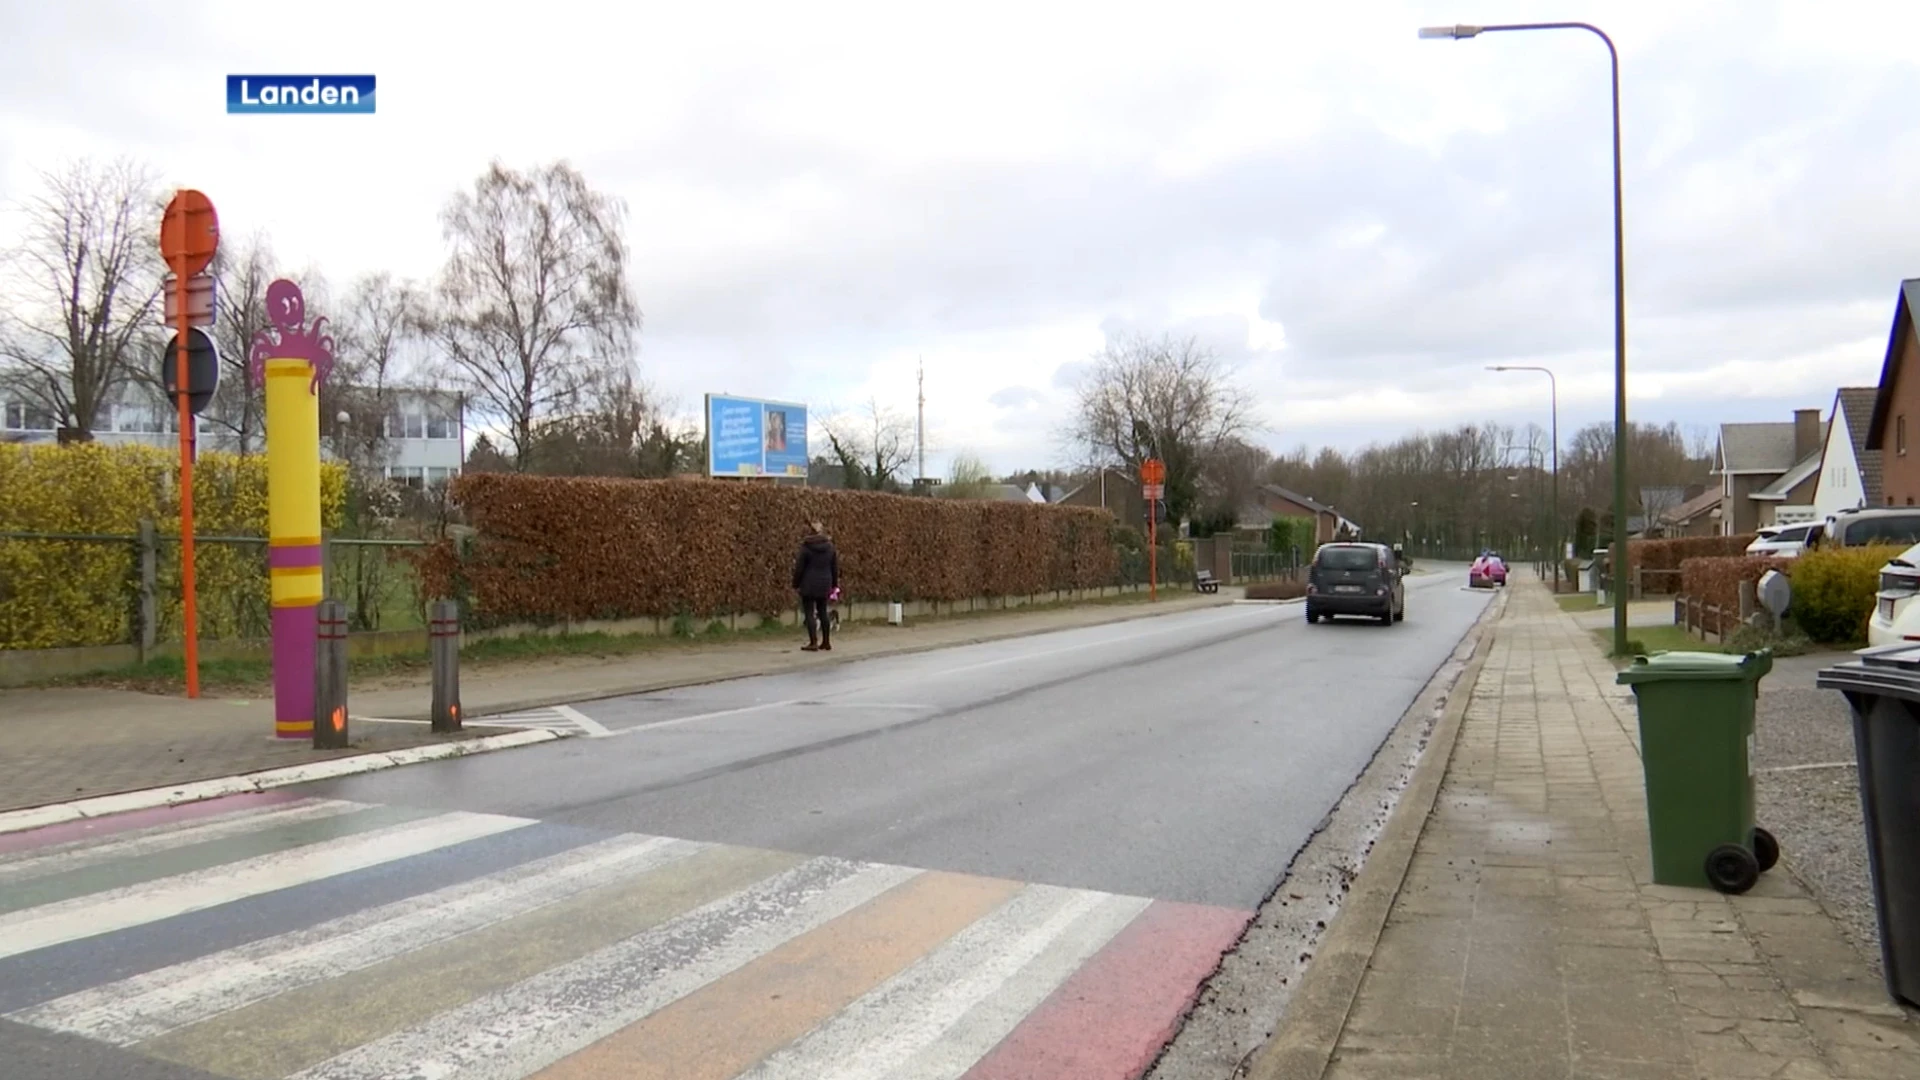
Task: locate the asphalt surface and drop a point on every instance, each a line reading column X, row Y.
column 1184, row 758
column 1008, row 860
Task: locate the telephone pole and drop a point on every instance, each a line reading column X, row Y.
column 920, row 428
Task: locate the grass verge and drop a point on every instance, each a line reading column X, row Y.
column 1575, row 603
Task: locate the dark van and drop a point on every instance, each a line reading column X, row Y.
column 1356, row 579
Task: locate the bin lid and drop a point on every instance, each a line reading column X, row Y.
column 1697, row 667
column 1881, row 669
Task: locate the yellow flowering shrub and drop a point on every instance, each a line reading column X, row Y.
column 68, row 592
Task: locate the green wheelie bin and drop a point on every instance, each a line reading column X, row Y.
column 1696, row 748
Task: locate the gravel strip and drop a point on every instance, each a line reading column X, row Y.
column 1815, row 813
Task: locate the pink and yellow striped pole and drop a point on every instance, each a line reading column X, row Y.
column 291, row 360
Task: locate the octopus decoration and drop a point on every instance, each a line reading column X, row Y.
column 288, row 338
column 288, row 360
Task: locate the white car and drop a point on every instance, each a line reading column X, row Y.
column 1895, row 616
column 1782, row 541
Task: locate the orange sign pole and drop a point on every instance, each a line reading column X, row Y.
column 189, row 235
column 1153, row 478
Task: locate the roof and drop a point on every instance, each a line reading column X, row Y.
column 1855, row 403
column 1903, row 306
column 1694, row 507
column 1792, row 478
column 1123, row 475
column 1296, row 497
column 1756, row 448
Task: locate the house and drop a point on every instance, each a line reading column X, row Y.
column 1768, row 472
column 1697, row 516
column 1895, row 400
column 1329, row 525
column 1114, row 490
column 1849, row 472
column 425, row 434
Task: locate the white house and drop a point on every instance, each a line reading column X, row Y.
column 1849, row 472
column 426, row 431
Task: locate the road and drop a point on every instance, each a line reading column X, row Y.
column 1017, row 859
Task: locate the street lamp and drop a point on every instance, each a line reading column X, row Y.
column 1617, row 557
column 1553, row 389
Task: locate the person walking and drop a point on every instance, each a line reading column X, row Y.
column 816, row 574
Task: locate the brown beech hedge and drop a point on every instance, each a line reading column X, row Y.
column 1668, row 555
column 551, row 548
column 1715, row 579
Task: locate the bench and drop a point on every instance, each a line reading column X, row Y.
column 1204, row 581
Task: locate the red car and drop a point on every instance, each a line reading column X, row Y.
column 1488, row 571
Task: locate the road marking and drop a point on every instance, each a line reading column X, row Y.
column 1816, row 765
column 134, row 905
column 509, row 1034
column 593, row 728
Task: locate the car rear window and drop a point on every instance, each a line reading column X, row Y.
column 1348, row 558
column 1795, row 535
column 1891, row 529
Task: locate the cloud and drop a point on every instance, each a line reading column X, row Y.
column 821, row 201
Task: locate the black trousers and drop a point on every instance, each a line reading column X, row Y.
column 819, row 627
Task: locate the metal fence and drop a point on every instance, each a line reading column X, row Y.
column 1264, row 566
column 80, row 588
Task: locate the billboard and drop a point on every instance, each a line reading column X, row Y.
column 751, row 437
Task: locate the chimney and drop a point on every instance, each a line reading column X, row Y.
column 1806, row 433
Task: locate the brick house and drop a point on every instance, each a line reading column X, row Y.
column 1328, row 524
column 1896, row 404
column 1114, row 490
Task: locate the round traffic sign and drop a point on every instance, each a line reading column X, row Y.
column 203, row 369
column 189, row 233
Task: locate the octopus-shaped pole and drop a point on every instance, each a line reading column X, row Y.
column 291, row 360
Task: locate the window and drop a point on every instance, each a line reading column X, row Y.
column 437, row 476
column 407, row 475
column 442, row 427
column 407, row 425
column 1348, row 558
column 142, row 420
column 24, row 417
column 1900, row 435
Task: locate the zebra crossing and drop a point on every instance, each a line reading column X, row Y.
column 563, row 719
column 274, row 936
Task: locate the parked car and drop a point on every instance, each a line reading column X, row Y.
column 1356, row 579
column 1784, row 541
column 1876, row 525
column 1895, row 616
column 1487, row 571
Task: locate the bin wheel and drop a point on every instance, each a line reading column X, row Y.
column 1766, row 850
column 1732, row 868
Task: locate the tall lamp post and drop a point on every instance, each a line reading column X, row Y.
column 1617, row 556
column 1553, row 387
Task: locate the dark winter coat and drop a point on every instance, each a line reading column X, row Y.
column 816, row 573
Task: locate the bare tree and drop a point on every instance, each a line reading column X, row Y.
column 968, row 477
column 1230, row 479
column 533, row 306
column 874, row 444
column 1167, row 398
column 380, row 326
column 242, row 271
column 90, row 271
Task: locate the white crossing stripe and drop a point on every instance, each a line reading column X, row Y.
column 80, row 854
column 510, row 1034
column 135, row 905
column 152, row 1004
column 908, row 1015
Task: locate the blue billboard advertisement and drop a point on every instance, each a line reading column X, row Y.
column 751, row 437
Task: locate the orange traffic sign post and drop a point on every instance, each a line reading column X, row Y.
column 189, row 236
column 1153, row 479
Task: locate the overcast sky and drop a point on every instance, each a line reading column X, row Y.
column 821, row 194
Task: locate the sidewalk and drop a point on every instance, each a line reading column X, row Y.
column 1526, row 939
column 62, row 744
